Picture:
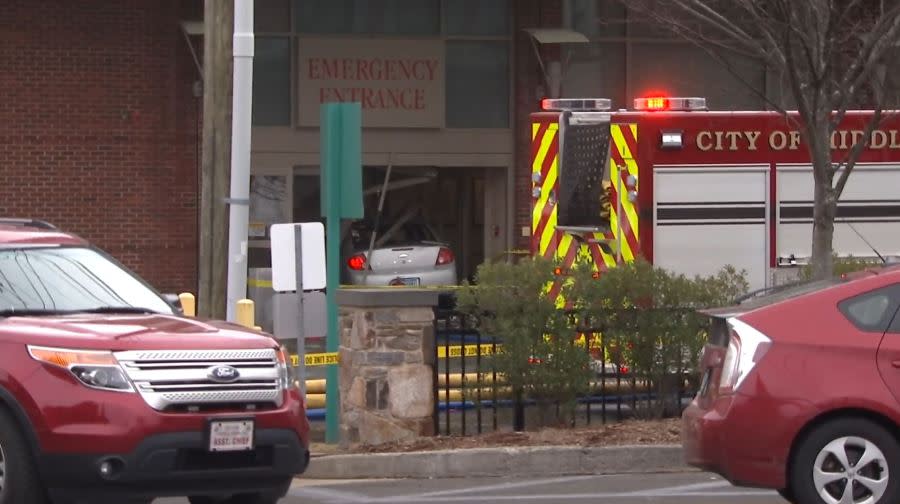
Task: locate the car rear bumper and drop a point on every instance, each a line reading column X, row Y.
column 436, row 278
column 177, row 464
column 722, row 440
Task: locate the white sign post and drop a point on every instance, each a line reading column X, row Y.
column 298, row 269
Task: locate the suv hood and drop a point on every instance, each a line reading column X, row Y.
column 130, row 332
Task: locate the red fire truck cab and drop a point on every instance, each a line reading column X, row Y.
column 694, row 190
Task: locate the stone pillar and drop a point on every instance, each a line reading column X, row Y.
column 387, row 358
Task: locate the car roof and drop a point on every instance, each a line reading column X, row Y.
column 890, row 273
column 23, row 232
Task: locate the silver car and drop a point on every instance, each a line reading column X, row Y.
column 405, row 253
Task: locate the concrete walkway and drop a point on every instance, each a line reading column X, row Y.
column 501, row 461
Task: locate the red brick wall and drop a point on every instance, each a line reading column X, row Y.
column 99, row 128
column 528, row 14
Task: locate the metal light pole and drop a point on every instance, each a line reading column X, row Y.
column 239, row 202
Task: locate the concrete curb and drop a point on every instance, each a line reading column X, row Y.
column 505, row 461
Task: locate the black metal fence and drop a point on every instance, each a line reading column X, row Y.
column 472, row 398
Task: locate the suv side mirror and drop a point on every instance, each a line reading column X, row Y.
column 175, row 301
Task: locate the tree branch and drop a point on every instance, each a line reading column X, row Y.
column 855, row 152
column 715, row 47
column 884, row 34
column 802, row 100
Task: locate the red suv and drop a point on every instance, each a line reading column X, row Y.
column 800, row 392
column 108, row 393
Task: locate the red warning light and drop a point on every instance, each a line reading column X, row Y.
column 657, row 103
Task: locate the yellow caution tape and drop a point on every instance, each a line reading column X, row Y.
column 253, row 282
column 470, row 350
column 317, row 359
column 325, row 359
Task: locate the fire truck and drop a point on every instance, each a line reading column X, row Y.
column 692, row 190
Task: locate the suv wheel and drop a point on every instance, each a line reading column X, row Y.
column 847, row 461
column 19, row 483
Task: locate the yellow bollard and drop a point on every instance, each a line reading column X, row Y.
column 244, row 314
column 315, row 401
column 315, row 386
column 188, row 304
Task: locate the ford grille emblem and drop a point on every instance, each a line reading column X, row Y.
column 224, row 374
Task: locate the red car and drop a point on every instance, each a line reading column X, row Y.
column 800, row 392
column 109, row 394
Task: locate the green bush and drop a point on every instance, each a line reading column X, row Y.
column 842, row 265
column 649, row 316
column 539, row 360
column 646, row 317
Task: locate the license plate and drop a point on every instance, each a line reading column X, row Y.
column 410, row 281
column 231, row 435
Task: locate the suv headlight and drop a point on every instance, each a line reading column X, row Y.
column 95, row 369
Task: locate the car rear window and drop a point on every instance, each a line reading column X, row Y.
column 872, row 311
column 406, row 234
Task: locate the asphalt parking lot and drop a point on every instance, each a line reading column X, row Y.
column 645, row 488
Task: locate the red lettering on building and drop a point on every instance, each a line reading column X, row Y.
column 377, row 83
column 385, row 99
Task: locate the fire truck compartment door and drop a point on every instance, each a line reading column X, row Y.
column 868, row 211
column 706, row 218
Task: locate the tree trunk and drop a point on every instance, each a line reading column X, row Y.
column 824, row 197
column 824, row 211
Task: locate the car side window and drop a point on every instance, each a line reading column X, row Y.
column 873, row 311
column 895, row 323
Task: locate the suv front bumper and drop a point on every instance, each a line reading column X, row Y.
column 177, row 464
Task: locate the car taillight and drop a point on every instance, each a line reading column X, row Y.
column 357, row 262
column 445, row 256
column 746, row 348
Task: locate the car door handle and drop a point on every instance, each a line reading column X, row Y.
column 896, row 363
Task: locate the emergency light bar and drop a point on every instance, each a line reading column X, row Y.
column 663, row 103
column 576, row 104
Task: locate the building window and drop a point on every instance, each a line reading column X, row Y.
column 475, row 35
column 271, row 16
column 477, row 17
column 272, row 81
column 375, row 17
column 630, row 56
column 477, row 88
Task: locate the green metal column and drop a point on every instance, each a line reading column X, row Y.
column 341, row 190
